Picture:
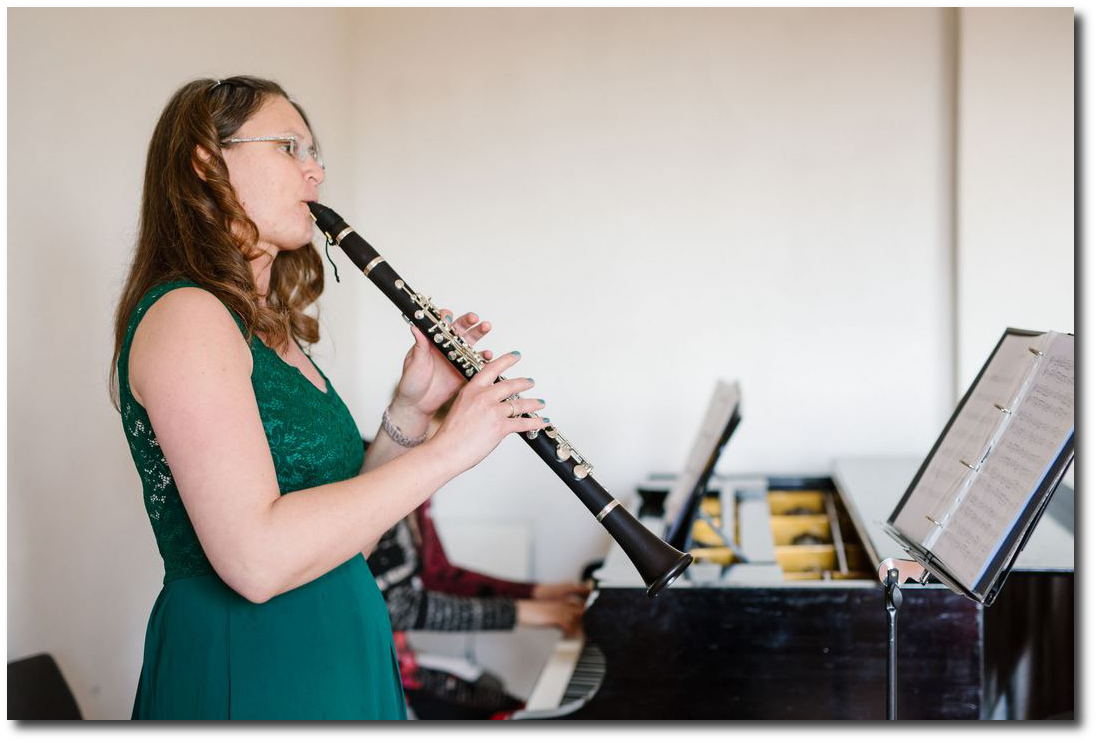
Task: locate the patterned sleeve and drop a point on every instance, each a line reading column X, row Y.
column 413, row 607
column 395, row 565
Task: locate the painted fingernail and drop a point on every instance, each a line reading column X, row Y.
column 540, row 401
column 530, row 379
column 545, row 419
column 449, row 317
column 515, row 353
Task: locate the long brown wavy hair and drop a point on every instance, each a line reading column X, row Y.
column 193, row 227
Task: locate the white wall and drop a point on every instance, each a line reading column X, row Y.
column 85, row 88
column 641, row 200
column 1015, row 257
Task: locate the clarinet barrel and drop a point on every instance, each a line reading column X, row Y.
column 657, row 562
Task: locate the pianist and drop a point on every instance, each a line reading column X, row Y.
column 424, row 591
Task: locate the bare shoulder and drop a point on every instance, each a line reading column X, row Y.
column 191, row 370
column 187, row 331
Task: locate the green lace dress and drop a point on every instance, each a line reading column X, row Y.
column 321, row 651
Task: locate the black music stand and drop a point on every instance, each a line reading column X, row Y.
column 1051, row 362
column 678, row 533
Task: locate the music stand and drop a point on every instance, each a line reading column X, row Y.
column 988, row 479
column 721, row 420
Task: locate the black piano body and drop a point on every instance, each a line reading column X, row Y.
column 755, row 648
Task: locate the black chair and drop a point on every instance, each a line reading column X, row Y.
column 37, row 691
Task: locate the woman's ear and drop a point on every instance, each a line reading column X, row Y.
column 202, row 157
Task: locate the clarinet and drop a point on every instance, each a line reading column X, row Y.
column 658, row 563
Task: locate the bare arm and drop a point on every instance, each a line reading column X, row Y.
column 427, row 382
column 190, row 369
column 383, row 449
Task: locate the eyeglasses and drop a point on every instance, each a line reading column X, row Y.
column 290, row 145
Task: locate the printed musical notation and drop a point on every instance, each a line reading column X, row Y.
column 990, row 464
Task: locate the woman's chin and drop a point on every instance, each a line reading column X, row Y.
column 308, row 232
column 292, row 244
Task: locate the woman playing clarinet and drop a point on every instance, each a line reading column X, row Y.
column 259, row 495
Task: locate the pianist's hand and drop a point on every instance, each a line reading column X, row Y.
column 561, row 591
column 561, row 613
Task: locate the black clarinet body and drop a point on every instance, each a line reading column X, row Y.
column 659, row 564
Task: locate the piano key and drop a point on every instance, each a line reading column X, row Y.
column 553, row 680
column 580, row 665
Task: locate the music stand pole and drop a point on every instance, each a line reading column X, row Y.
column 892, row 573
column 893, row 599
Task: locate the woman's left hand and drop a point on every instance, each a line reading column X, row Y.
column 429, row 379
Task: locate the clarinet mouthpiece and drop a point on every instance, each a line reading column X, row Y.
column 325, row 218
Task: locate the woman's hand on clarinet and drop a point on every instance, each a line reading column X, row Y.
column 429, row 379
column 482, row 415
column 563, row 614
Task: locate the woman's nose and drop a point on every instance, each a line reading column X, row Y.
column 313, row 171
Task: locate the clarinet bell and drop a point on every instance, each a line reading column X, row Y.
column 658, row 563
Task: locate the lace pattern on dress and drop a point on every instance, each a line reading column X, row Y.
column 311, row 434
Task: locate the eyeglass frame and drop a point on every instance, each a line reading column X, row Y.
column 312, row 151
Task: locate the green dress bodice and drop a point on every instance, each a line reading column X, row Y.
column 320, row 651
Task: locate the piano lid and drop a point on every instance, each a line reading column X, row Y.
column 871, row 486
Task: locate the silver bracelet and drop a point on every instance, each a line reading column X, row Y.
column 397, row 435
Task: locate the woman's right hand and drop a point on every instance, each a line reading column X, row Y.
column 480, row 416
column 561, row 613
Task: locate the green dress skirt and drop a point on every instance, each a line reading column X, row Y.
column 321, row 651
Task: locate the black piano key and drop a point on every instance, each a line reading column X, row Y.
column 586, row 678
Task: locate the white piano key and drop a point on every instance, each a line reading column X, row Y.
column 557, row 672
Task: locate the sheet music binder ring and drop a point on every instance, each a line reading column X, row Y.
column 941, row 520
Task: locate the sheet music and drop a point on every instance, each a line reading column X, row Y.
column 966, row 440
column 724, row 398
column 975, row 508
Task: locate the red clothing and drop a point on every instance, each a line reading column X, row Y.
column 405, row 658
column 441, row 575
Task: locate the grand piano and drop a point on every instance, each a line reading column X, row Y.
column 790, row 622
